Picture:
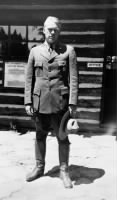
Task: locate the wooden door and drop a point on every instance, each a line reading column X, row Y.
column 109, row 95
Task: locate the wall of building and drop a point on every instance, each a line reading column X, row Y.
column 84, row 28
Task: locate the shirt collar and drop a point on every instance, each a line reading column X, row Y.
column 48, row 46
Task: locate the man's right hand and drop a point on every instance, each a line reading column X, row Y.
column 29, row 110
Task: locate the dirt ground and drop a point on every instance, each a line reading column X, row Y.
column 92, row 168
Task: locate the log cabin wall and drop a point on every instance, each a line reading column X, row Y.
column 84, row 28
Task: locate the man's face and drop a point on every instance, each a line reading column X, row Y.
column 52, row 32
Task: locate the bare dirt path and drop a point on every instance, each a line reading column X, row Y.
column 92, row 168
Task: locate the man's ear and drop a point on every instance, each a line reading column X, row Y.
column 44, row 30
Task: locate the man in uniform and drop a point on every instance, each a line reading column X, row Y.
column 51, row 88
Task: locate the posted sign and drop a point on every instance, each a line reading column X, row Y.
column 14, row 74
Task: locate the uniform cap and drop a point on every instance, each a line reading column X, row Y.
column 51, row 22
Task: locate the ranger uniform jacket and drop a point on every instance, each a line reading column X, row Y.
column 51, row 78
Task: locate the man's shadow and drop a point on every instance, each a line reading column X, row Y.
column 79, row 174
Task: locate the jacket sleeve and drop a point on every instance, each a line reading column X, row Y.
column 29, row 78
column 73, row 77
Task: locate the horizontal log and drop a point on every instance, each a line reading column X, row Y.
column 57, row 6
column 83, row 25
column 83, row 67
column 21, row 112
column 11, row 90
column 88, row 115
column 20, row 101
column 90, row 85
column 1, row 82
column 27, row 118
column 95, row 46
column 90, row 79
column 1, row 76
column 11, row 100
column 90, row 59
column 82, row 92
column 1, row 70
column 8, row 111
column 88, row 128
column 1, row 63
column 89, row 103
column 82, row 109
column 71, row 32
column 11, row 94
column 82, row 39
column 90, row 98
column 90, row 52
column 88, row 121
column 79, row 109
column 77, row 14
column 90, row 92
column 24, row 118
column 53, row 2
column 91, row 73
column 27, row 16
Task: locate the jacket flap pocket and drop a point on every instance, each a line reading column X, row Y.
column 37, row 92
column 64, row 90
column 62, row 63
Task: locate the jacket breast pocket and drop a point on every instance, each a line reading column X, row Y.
column 62, row 65
column 38, row 69
column 64, row 91
column 36, row 101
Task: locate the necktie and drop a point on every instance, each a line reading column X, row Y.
column 51, row 49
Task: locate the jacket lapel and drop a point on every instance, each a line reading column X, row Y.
column 46, row 53
column 53, row 54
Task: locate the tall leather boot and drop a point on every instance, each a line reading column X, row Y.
column 38, row 171
column 64, row 175
column 64, row 159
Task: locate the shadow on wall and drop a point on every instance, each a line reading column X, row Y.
column 79, row 174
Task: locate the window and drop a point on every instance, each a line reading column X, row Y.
column 3, row 41
column 16, row 41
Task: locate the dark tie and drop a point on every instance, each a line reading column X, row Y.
column 51, row 49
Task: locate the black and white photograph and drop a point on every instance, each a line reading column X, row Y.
column 58, row 100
